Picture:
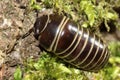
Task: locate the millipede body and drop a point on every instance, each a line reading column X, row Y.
column 75, row 45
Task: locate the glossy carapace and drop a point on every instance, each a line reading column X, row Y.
column 75, row 45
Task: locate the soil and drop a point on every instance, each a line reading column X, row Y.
column 15, row 21
column 13, row 24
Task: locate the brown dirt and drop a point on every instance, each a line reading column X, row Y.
column 13, row 24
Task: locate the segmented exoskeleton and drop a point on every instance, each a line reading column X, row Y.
column 77, row 46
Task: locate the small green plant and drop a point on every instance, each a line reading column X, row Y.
column 85, row 11
column 47, row 68
column 18, row 74
column 34, row 5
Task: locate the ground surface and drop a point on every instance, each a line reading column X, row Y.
column 14, row 23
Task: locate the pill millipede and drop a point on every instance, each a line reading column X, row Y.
column 70, row 42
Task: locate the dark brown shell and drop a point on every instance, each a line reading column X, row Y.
column 75, row 45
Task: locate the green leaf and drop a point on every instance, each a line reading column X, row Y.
column 35, row 6
column 115, row 48
column 18, row 74
column 89, row 10
column 112, row 16
column 64, row 69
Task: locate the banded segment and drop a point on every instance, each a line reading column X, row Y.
column 90, row 54
column 99, row 56
column 48, row 19
column 68, row 38
column 39, row 25
column 68, row 55
column 104, row 60
column 59, row 35
column 56, row 35
column 81, row 55
column 48, row 36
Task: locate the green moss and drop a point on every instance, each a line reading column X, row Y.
column 18, row 74
column 84, row 11
column 47, row 68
